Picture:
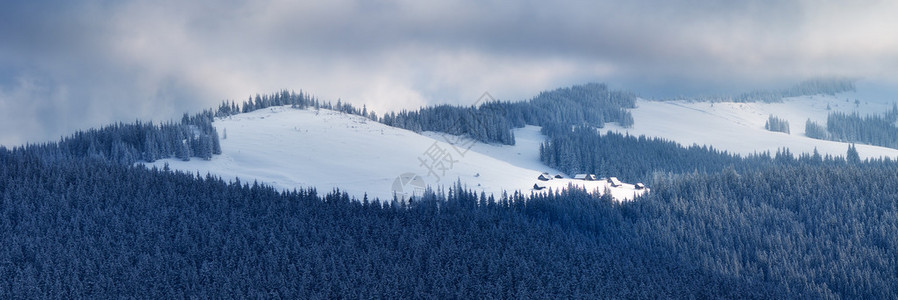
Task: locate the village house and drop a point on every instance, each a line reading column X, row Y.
column 614, row 181
column 587, row 177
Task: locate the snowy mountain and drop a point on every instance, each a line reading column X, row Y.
column 293, row 148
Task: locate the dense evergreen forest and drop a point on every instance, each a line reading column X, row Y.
column 79, row 220
column 763, row 227
column 637, row 159
column 193, row 136
column 88, row 228
column 879, row 130
column 491, row 122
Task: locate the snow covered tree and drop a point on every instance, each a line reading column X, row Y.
column 852, row 156
column 776, row 124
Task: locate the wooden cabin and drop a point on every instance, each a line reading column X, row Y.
column 587, row 177
column 614, row 181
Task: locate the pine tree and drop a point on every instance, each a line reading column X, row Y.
column 184, row 151
column 852, row 156
column 216, row 144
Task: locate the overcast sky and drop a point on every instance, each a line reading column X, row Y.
column 69, row 65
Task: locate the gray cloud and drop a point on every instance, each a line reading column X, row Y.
column 67, row 66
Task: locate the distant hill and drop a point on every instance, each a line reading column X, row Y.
column 810, row 87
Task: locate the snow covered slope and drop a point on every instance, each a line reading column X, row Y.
column 739, row 127
column 291, row 148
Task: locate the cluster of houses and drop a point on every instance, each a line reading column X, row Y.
column 613, row 181
column 545, row 176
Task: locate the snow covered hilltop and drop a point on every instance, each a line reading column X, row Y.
column 293, row 148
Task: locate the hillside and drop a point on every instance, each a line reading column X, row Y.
column 739, row 127
column 291, row 148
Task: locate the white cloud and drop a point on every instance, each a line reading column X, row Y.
column 156, row 59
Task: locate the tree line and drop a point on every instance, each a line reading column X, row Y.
column 638, row 158
column 491, row 122
column 810, row 87
column 879, row 130
column 192, row 137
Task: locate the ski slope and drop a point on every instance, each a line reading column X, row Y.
column 739, row 127
column 291, row 148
